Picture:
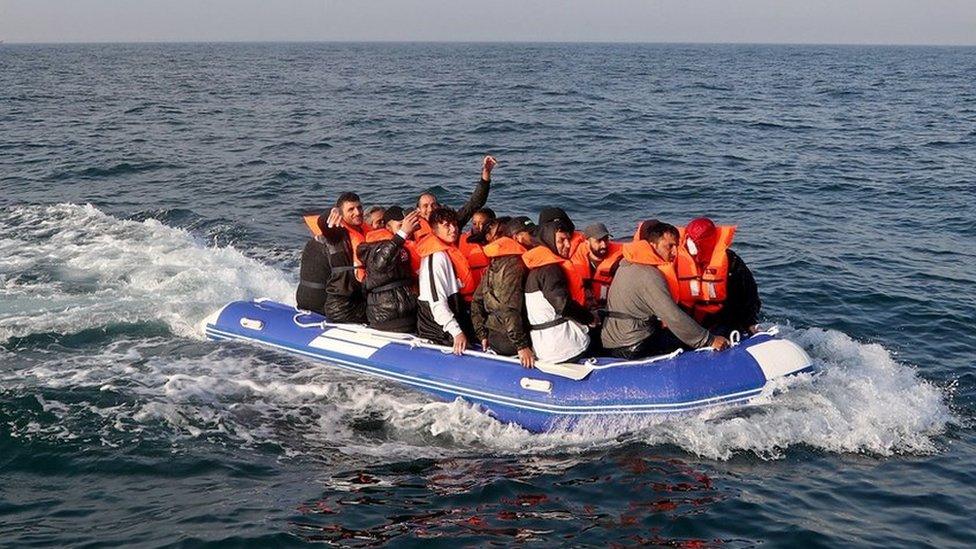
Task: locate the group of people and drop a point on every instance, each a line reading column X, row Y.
column 537, row 290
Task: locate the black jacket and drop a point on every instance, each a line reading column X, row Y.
column 314, row 274
column 477, row 201
column 390, row 303
column 344, row 299
column 498, row 308
column 742, row 304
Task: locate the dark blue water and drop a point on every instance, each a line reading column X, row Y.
column 144, row 186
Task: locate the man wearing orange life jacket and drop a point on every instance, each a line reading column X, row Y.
column 498, row 309
column 442, row 314
column 391, row 264
column 427, row 202
column 333, row 272
column 472, row 244
column 597, row 261
column 643, row 316
column 554, row 297
column 715, row 286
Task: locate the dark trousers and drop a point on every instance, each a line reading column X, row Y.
column 661, row 342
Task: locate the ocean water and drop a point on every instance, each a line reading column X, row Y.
column 143, row 186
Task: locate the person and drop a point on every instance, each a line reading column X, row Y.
column 554, row 297
column 427, row 202
column 597, row 260
column 472, row 244
column 374, row 218
column 341, row 233
column 497, row 310
column 553, row 213
column 715, row 286
column 643, row 300
column 388, row 256
column 443, row 315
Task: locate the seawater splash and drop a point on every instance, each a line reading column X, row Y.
column 68, row 267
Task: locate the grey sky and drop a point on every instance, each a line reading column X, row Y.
column 778, row 21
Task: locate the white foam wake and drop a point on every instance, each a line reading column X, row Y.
column 68, row 267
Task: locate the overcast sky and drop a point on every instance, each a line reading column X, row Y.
column 776, row 21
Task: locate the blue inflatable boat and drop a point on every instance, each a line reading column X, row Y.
column 552, row 395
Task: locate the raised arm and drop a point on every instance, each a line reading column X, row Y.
column 479, row 197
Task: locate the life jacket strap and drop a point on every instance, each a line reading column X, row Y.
column 312, row 285
column 391, row 286
column 624, row 316
column 550, row 324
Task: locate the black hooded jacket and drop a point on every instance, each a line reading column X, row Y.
column 390, row 303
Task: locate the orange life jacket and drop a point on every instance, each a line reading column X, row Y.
column 377, row 235
column 703, row 292
column 575, row 242
column 423, row 230
column 475, row 254
column 502, row 247
column 598, row 280
column 641, row 252
column 540, row 256
column 431, row 245
column 356, row 237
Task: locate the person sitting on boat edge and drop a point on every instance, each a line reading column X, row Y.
column 374, row 218
column 554, row 297
column 427, row 202
column 498, row 308
column 472, row 244
column 391, row 263
column 643, row 316
column 443, row 315
column 339, row 286
column 597, row 260
column 715, row 286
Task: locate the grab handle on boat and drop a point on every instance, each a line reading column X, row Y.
column 735, row 338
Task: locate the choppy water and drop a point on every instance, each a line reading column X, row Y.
column 144, row 186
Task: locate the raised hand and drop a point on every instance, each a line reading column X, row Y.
column 410, row 222
column 335, row 218
column 487, row 165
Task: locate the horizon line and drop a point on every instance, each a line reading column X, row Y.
column 487, row 42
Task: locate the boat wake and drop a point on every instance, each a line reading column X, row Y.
column 99, row 346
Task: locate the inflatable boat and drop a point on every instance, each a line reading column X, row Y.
column 540, row 399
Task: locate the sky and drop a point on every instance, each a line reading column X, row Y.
column 941, row 22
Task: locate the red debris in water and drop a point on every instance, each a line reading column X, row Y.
column 526, row 500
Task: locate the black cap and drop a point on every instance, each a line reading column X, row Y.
column 597, row 231
column 552, row 213
column 393, row 213
column 519, row 224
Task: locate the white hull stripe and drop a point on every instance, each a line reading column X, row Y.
column 501, row 399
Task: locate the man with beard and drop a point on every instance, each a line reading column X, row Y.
column 472, row 244
column 597, row 260
column 331, row 271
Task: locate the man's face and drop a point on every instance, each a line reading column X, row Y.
column 478, row 222
column 376, row 220
column 563, row 243
column 426, row 204
column 666, row 247
column 393, row 225
column 448, row 232
column 352, row 213
column 599, row 247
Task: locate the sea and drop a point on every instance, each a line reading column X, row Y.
column 143, row 186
